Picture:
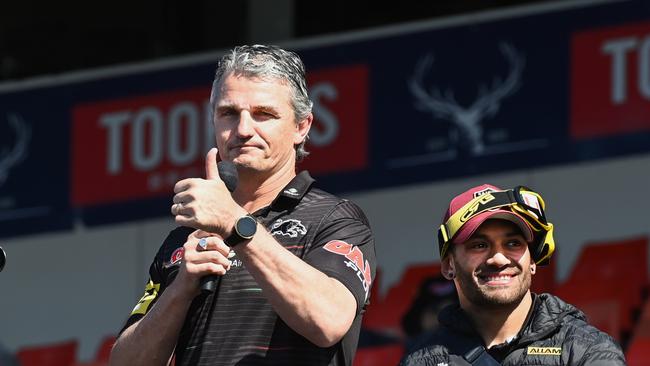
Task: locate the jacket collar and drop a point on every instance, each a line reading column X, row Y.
column 550, row 312
column 545, row 317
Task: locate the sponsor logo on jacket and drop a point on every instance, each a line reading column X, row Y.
column 545, row 351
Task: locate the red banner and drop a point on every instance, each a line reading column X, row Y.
column 610, row 81
column 139, row 147
column 339, row 133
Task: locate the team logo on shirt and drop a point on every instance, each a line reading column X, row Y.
column 354, row 261
column 289, row 227
column 544, row 351
column 176, row 257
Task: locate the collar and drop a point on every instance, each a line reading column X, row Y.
column 516, row 339
column 293, row 192
column 454, row 317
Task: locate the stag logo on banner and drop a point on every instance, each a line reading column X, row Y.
column 466, row 135
column 13, row 154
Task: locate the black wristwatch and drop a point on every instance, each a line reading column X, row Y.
column 245, row 228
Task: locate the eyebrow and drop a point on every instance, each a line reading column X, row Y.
column 265, row 108
column 255, row 108
column 507, row 235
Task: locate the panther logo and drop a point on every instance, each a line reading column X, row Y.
column 289, row 227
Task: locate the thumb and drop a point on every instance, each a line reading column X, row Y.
column 200, row 234
column 211, row 170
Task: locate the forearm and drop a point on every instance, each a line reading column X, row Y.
column 314, row 305
column 152, row 339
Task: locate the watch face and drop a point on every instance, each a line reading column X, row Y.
column 246, row 227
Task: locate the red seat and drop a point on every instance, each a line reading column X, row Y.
column 602, row 315
column 389, row 355
column 544, row 278
column 59, row 354
column 104, row 350
column 608, row 281
column 386, row 314
column 638, row 353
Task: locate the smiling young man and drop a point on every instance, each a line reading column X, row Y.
column 491, row 242
column 294, row 263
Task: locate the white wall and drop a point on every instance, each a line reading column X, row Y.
column 79, row 285
column 83, row 284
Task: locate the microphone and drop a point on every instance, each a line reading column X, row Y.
column 228, row 174
column 3, row 259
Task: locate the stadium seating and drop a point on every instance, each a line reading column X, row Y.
column 104, row 349
column 385, row 315
column 608, row 282
column 544, row 278
column 388, row 355
column 58, row 354
column 102, row 354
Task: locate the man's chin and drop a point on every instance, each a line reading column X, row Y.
column 501, row 295
column 246, row 164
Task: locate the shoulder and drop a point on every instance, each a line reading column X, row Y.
column 430, row 355
column 572, row 322
column 441, row 346
column 583, row 339
column 589, row 343
column 331, row 206
column 317, row 194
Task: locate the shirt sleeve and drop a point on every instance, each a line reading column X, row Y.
column 162, row 272
column 344, row 249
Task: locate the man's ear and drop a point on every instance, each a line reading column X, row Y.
column 447, row 267
column 533, row 268
column 302, row 129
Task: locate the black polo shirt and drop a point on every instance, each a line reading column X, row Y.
column 236, row 325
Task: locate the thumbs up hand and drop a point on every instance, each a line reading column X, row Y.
column 211, row 171
column 205, row 204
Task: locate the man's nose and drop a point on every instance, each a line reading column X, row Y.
column 498, row 259
column 245, row 125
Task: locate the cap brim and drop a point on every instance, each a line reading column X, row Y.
column 468, row 229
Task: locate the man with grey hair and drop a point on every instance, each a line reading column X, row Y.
column 294, row 264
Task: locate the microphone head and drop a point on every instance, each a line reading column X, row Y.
column 3, row 259
column 228, row 174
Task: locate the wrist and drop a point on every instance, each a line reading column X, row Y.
column 183, row 291
column 229, row 228
column 243, row 230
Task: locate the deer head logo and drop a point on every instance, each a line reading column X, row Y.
column 12, row 155
column 467, row 132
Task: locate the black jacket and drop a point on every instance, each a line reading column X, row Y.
column 555, row 333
